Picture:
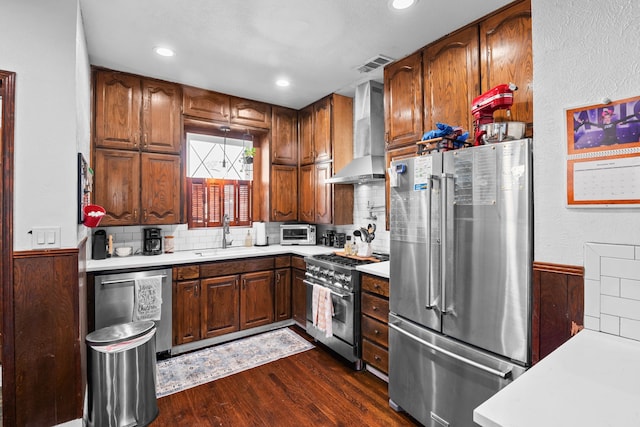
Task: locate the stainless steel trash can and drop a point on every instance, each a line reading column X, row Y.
column 121, row 376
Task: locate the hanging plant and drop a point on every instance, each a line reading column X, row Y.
column 249, row 152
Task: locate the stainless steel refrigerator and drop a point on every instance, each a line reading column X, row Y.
column 460, row 279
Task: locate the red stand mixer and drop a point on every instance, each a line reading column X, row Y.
column 483, row 107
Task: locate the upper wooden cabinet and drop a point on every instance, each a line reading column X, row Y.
column 284, row 136
column 205, row 104
column 136, row 113
column 322, row 143
column 451, row 79
column 283, row 192
column 403, row 101
column 160, row 189
column 507, row 56
column 305, row 135
column 250, row 113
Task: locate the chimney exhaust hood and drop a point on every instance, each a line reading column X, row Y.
column 368, row 164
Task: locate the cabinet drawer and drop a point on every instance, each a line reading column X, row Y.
column 375, row 307
column 186, row 272
column 283, row 261
column 298, row 262
column 248, row 265
column 374, row 284
column 375, row 356
column 376, row 331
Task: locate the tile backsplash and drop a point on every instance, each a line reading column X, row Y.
column 612, row 289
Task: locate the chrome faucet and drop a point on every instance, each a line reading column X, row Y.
column 225, row 231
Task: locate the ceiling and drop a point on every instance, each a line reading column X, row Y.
column 242, row 47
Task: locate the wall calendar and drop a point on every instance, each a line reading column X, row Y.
column 603, row 154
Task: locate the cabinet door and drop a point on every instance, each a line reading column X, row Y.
column 160, row 192
column 305, row 123
column 117, row 111
column 283, row 294
column 284, row 136
column 186, row 312
column 323, row 196
column 451, row 80
column 322, row 130
column 250, row 113
column 299, row 298
column 205, row 104
column 307, row 194
column 256, row 299
column 284, row 190
column 220, row 305
column 161, row 117
column 506, row 56
column 117, row 186
column 403, row 101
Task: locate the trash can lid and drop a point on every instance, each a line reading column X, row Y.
column 118, row 333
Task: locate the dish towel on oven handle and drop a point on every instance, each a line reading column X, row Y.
column 148, row 298
column 322, row 310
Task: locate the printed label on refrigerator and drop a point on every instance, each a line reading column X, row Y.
column 422, row 171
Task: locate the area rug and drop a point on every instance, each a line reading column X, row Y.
column 202, row 366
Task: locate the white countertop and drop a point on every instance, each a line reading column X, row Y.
column 376, row 268
column 591, row 380
column 186, row 257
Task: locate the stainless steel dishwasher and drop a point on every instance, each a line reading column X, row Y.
column 115, row 302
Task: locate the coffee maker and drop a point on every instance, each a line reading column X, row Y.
column 152, row 242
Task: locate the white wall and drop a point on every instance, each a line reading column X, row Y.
column 583, row 51
column 40, row 45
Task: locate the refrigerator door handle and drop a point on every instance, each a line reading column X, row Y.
column 429, row 304
column 496, row 372
column 444, row 212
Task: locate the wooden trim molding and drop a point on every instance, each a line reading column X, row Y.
column 557, row 306
column 7, row 91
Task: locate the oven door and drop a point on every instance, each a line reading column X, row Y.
column 344, row 339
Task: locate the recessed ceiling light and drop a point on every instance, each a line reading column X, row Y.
column 164, row 51
column 282, row 82
column 401, row 4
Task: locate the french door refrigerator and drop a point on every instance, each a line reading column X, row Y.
column 460, row 279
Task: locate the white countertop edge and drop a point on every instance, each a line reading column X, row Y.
column 380, row 269
column 187, row 257
column 591, row 380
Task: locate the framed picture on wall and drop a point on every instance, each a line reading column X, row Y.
column 85, row 186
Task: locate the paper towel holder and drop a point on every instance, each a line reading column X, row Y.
column 261, row 234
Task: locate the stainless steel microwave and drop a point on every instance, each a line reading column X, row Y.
column 297, row 234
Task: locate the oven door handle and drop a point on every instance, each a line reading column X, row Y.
column 341, row 295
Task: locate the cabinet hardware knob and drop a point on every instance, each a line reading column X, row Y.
column 377, row 332
column 374, row 308
column 377, row 358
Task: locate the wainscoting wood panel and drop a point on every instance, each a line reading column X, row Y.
column 47, row 344
column 558, row 306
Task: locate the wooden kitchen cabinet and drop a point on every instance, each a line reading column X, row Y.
column 283, row 194
column 375, row 314
column 256, row 299
column 323, row 194
column 403, row 101
column 451, row 79
column 250, row 113
column 284, row 136
column 305, row 135
column 307, row 194
column 282, row 294
column 205, row 104
column 507, row 56
column 137, row 188
column 186, row 311
column 219, row 305
column 135, row 113
column 299, row 292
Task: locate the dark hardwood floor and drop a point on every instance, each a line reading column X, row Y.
column 312, row 388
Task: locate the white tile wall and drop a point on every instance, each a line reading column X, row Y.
column 612, row 289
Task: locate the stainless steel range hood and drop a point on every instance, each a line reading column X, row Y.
column 368, row 163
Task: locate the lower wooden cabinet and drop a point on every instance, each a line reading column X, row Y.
column 186, row 311
column 298, row 291
column 283, row 294
column 375, row 314
column 219, row 305
column 256, row 299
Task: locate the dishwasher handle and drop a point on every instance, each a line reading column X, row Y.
column 115, row 282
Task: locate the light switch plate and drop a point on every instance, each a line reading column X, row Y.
column 45, row 237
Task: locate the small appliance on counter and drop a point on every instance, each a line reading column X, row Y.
column 297, row 234
column 99, row 245
column 339, row 240
column 152, row 242
column 328, row 237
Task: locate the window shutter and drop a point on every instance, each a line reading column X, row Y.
column 214, row 199
column 244, row 202
column 230, row 201
column 196, row 191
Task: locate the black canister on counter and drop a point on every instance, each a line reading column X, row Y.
column 99, row 245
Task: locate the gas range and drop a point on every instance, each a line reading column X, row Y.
column 339, row 271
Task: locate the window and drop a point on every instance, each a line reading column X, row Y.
column 219, row 181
